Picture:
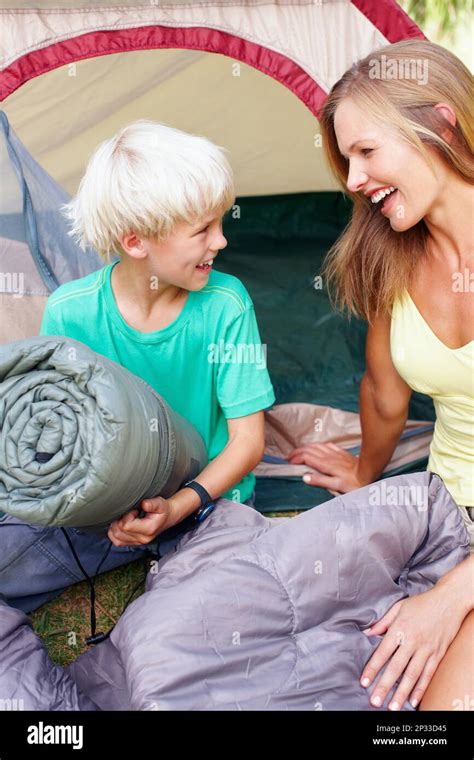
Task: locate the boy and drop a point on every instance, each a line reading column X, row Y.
column 157, row 196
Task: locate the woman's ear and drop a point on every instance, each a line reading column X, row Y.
column 447, row 113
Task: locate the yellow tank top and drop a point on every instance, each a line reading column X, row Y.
column 447, row 375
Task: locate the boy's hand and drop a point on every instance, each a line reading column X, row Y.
column 131, row 530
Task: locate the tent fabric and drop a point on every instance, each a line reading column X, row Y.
column 279, row 485
column 315, row 355
column 285, row 39
column 252, row 115
column 18, row 322
column 256, row 614
column 36, row 253
column 289, row 426
column 31, row 237
column 389, row 18
column 277, row 246
column 69, row 420
column 113, row 65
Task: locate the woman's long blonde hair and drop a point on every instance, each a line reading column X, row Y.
column 371, row 264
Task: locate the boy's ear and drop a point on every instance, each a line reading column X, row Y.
column 132, row 245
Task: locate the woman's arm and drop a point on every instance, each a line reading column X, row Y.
column 418, row 631
column 384, row 398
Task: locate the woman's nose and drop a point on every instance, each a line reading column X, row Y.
column 356, row 178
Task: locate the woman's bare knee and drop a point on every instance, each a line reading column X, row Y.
column 452, row 686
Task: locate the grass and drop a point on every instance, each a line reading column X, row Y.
column 64, row 623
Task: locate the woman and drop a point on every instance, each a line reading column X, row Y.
column 402, row 147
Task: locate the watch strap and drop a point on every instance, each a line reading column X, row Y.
column 207, row 503
column 201, row 492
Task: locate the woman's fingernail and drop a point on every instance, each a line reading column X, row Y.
column 414, row 702
column 394, row 706
column 376, row 701
column 307, row 478
column 365, row 681
column 367, row 632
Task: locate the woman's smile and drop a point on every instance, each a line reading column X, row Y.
column 389, row 202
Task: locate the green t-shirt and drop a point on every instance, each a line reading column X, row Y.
column 208, row 364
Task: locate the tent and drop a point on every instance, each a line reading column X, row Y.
column 253, row 77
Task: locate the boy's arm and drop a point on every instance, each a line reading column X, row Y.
column 241, row 454
column 243, row 389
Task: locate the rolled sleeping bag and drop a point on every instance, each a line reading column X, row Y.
column 82, row 439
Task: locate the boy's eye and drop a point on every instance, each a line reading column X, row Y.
column 366, row 150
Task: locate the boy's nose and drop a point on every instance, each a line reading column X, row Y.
column 219, row 242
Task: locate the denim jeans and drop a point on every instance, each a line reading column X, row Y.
column 37, row 564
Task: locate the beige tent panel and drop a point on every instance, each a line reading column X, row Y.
column 272, row 138
column 83, row 4
column 322, row 37
column 26, row 318
column 288, row 426
column 18, row 272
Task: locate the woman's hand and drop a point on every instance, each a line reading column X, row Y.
column 338, row 470
column 418, row 631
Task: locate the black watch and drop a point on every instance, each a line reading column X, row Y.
column 207, row 504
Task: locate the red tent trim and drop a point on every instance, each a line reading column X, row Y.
column 390, row 19
column 107, row 42
column 386, row 15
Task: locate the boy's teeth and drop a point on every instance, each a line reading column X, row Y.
column 376, row 197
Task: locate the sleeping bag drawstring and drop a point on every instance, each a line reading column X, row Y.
column 96, row 638
column 92, row 639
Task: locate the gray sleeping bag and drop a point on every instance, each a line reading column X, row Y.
column 74, row 425
column 250, row 613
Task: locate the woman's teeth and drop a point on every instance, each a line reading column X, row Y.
column 376, row 197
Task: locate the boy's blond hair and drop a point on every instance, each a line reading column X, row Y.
column 147, row 179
